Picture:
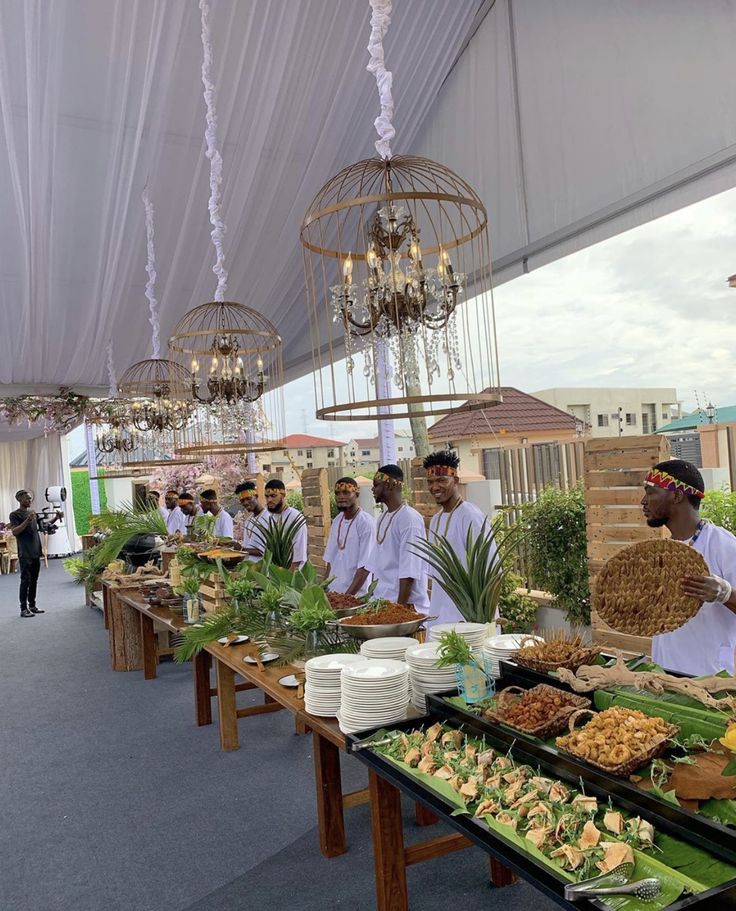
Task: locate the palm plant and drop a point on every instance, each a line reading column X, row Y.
column 474, row 584
column 277, row 539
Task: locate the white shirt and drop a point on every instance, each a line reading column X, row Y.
column 175, row 521
column 164, row 512
column 394, row 559
column 349, row 549
column 705, row 644
column 453, row 526
column 250, row 538
column 286, row 517
column 223, row 524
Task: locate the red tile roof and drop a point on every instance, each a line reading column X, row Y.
column 518, row 413
column 299, row 440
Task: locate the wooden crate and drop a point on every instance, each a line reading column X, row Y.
column 212, row 593
column 316, row 495
column 614, row 472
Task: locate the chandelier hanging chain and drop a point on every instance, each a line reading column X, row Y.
column 112, row 378
column 213, row 154
column 380, row 21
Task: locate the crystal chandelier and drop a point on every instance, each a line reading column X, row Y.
column 226, row 381
column 395, row 296
column 152, row 386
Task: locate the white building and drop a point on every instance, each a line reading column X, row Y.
column 616, row 412
column 364, row 452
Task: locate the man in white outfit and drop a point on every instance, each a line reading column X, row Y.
column 452, row 522
column 278, row 510
column 173, row 517
column 253, row 509
column 223, row 519
column 705, row 644
column 400, row 573
column 350, row 542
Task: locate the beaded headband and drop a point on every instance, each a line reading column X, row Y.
column 248, row 494
column 659, row 478
column 346, row 487
column 381, row 476
column 441, row 471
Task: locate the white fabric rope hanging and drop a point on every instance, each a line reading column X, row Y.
column 213, row 154
column 111, row 375
column 380, row 21
column 150, row 284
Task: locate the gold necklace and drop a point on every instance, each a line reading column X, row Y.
column 347, row 533
column 380, row 539
column 449, row 519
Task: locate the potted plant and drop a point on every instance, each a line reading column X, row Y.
column 473, row 682
column 189, row 590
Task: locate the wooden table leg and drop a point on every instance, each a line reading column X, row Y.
column 227, row 709
column 201, row 666
column 149, row 648
column 329, row 797
column 423, row 816
column 501, row 875
column 388, row 845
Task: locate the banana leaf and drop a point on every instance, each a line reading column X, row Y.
column 694, row 863
column 723, row 811
column 673, row 882
column 708, row 723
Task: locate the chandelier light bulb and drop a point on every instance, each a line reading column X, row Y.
column 415, row 252
column 195, row 365
column 347, row 269
column 371, row 257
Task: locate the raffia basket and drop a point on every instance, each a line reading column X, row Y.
column 638, row 591
column 552, row 726
column 577, row 658
column 650, row 749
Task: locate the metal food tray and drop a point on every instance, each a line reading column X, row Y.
column 719, row 898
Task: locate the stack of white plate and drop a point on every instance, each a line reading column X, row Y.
column 322, row 687
column 474, row 634
column 374, row 692
column 500, row 647
column 425, row 676
column 393, row 647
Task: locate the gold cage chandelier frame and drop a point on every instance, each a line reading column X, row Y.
column 348, row 227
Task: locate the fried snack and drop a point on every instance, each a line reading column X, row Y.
column 557, row 650
column 537, row 707
column 618, row 738
column 639, row 591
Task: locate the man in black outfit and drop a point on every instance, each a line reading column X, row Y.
column 24, row 525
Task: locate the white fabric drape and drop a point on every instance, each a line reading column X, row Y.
column 100, row 97
column 35, row 464
column 575, row 121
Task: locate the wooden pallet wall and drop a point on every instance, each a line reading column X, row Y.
column 614, row 472
column 316, row 494
column 423, row 501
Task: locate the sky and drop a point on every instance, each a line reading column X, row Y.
column 650, row 307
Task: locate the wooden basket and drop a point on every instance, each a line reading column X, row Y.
column 581, row 657
column 650, row 750
column 553, row 725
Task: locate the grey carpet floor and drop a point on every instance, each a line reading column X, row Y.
column 112, row 799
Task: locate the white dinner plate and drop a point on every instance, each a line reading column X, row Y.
column 290, row 681
column 238, row 641
column 269, row 656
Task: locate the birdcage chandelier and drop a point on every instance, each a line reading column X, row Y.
column 397, row 257
column 152, row 388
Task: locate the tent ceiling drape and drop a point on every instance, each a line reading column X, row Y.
column 572, row 120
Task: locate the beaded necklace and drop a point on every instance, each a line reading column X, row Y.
column 380, row 539
column 449, row 519
column 347, row 533
column 701, row 525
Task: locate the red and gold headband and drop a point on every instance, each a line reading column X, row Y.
column 384, row 478
column 441, row 471
column 658, row 478
column 346, row 487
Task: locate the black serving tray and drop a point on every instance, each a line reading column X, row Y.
column 513, row 674
column 719, row 898
column 665, row 816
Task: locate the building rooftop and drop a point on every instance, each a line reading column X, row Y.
column 724, row 415
column 298, row 440
column 519, row 412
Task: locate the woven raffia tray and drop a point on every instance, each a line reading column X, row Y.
column 639, row 592
column 552, row 726
column 577, row 657
column 649, row 749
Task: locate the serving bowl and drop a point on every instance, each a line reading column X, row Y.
column 379, row 630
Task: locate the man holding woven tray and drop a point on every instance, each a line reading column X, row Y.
column 705, row 644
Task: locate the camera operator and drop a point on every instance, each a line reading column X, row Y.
column 24, row 525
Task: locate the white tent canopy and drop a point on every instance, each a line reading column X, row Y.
column 573, row 120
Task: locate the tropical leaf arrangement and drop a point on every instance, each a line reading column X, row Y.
column 203, row 528
column 475, row 586
column 118, row 527
column 278, row 538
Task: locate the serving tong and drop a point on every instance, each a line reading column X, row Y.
column 615, row 882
